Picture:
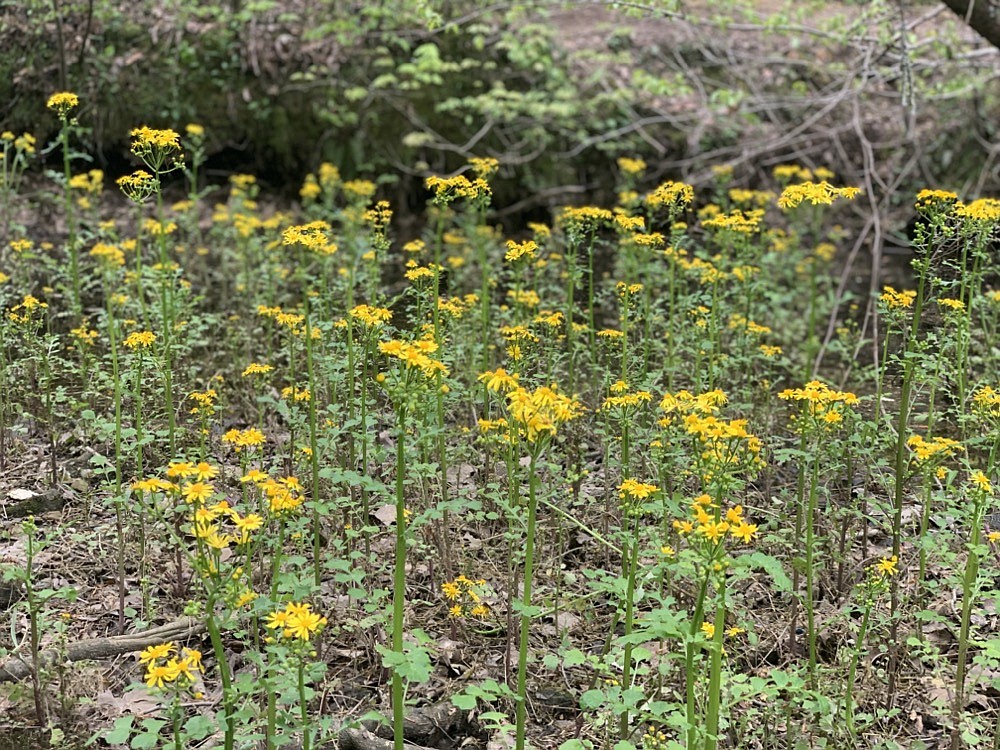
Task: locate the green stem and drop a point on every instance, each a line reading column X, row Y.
column 968, row 584
column 313, row 446
column 811, row 574
column 399, row 579
column 901, row 459
column 691, row 677
column 632, row 565
column 852, row 672
column 304, row 707
column 228, row 707
column 525, row 624
column 74, row 260
column 715, row 673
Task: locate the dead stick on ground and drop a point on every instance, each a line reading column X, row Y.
column 15, row 669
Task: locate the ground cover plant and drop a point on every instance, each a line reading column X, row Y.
column 607, row 481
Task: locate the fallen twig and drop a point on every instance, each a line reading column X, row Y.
column 16, row 669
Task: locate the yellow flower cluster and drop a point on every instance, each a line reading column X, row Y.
column 739, row 322
column 709, row 523
column 789, row 172
column 935, row 201
column 296, row 394
column 456, row 307
column 329, row 176
column 158, row 228
column 256, row 368
column 654, row 240
column 518, row 250
column 84, row 334
column 25, row 310
column 62, row 102
column 736, row 221
column 823, row 406
column 111, row 255
column 464, row 599
column 310, row 189
column 626, row 223
column 499, row 380
column 311, row 236
column 894, row 300
column 378, row 218
column 415, row 355
column 627, row 290
column 447, row 189
column 636, row 489
column 371, row 316
column 204, row 402
column 624, row 400
column 251, row 437
column 540, row 412
column 670, row 195
column 933, row 449
column 138, row 186
column 980, row 482
column 24, row 143
column 986, row 403
column 815, row 193
column 164, row 667
column 418, row 274
column 139, row 340
column 146, row 138
column 296, row 622
column 283, row 495
column 524, row 297
column 91, row 182
column 758, row 198
column 982, row 211
column 726, row 444
column 484, row 166
column 631, row 166
column 583, row 217
column 684, row 402
column 550, row 318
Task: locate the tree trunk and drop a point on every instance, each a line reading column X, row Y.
column 983, row 16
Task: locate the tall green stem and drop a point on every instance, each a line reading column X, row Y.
column 631, row 566
column 715, row 672
column 968, row 590
column 228, row 706
column 399, row 579
column 313, row 446
column 810, row 573
column 529, row 567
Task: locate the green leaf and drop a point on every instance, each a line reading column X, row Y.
column 464, row 701
column 198, row 727
column 591, row 699
column 150, row 736
column 770, row 565
column 121, row 732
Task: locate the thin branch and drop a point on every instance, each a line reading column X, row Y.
column 16, row 669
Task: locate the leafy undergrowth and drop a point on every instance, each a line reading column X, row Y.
column 610, row 482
